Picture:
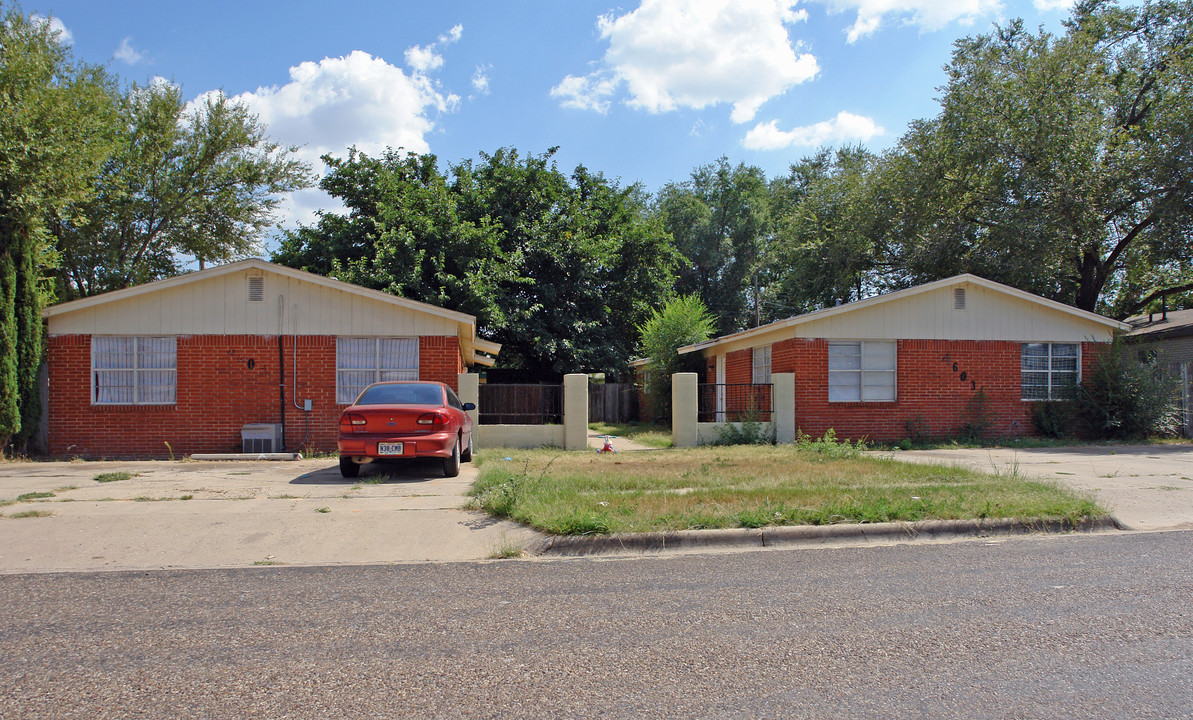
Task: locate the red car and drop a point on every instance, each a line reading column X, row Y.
column 405, row 419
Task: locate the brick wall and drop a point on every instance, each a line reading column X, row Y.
column 224, row 382
column 929, row 390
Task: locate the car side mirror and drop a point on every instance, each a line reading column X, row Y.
column 469, row 406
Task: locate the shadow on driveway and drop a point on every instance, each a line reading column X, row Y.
column 403, row 471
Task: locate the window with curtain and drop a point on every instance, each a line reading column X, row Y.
column 861, row 371
column 134, row 370
column 360, row 362
column 1049, row 371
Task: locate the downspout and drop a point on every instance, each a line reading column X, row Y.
column 294, row 373
column 281, row 371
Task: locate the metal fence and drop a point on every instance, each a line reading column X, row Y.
column 520, row 404
column 734, row 402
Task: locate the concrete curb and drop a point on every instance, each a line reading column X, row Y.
column 808, row 534
column 246, row 456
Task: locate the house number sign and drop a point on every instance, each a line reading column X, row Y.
column 963, row 375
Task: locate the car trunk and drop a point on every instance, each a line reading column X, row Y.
column 395, row 420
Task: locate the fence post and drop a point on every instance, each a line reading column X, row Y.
column 575, row 411
column 470, row 392
column 783, row 399
column 684, row 432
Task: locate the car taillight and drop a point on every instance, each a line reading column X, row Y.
column 351, row 422
column 433, row 418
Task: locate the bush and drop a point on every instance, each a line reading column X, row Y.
column 747, row 432
column 1125, row 399
column 1053, row 419
column 829, row 446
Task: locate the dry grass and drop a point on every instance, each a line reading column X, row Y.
column 716, row 487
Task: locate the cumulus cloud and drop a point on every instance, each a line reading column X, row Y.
column 355, row 100
column 927, row 14
column 845, row 127
column 65, row 36
column 425, row 59
column 671, row 54
column 128, row 53
column 1049, row 5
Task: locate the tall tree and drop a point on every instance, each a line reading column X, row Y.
column 720, row 220
column 1060, row 164
column 558, row 269
column 55, row 130
column 197, row 181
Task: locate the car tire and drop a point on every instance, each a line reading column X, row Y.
column 451, row 465
column 466, row 456
column 348, row 468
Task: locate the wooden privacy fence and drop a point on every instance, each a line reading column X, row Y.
column 520, row 404
column 612, row 403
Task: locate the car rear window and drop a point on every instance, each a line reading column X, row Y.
column 401, row 395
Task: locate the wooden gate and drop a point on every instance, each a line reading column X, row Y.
column 612, row 403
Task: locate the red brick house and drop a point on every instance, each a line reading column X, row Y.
column 179, row 366
column 915, row 361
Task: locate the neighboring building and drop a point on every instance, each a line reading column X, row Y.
column 179, row 366
column 1168, row 338
column 914, row 361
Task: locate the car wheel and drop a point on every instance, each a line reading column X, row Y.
column 466, row 456
column 348, row 468
column 451, row 465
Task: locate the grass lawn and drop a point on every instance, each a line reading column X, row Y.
column 655, row 436
column 576, row 493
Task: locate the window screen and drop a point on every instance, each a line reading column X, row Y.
column 761, row 372
column 861, row 372
column 1048, row 371
column 360, row 362
column 134, row 370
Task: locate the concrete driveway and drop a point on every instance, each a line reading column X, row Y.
column 1147, row 487
column 234, row 514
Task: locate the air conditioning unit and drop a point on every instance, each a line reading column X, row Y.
column 259, row 438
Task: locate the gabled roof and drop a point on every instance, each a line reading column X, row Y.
column 462, row 319
column 855, row 306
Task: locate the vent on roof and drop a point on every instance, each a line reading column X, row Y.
column 256, row 289
column 958, row 298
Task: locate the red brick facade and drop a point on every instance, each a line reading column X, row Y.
column 936, row 382
column 224, row 382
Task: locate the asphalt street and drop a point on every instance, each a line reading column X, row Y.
column 1038, row 627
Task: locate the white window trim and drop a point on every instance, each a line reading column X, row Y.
column 136, row 371
column 1050, row 372
column 861, row 373
column 376, row 369
column 755, row 353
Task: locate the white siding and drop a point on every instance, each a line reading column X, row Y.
column 989, row 315
column 220, row 306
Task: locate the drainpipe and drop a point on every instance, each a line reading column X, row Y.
column 281, row 372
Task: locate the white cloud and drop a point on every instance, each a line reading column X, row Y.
column 128, row 53
column 672, row 54
column 846, row 127
column 1050, row 5
column 927, row 14
column 480, row 79
column 424, row 59
column 65, row 36
column 356, row 100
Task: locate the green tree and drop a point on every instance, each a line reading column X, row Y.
column 683, row 321
column 557, row 269
column 720, row 221
column 55, row 131
column 1062, row 165
column 196, row 181
column 828, row 231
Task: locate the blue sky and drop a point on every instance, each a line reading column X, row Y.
column 641, row 91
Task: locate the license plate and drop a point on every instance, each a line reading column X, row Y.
column 389, row 448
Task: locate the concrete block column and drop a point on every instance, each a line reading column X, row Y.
column 575, row 411
column 470, row 392
column 684, row 409
column 783, row 397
